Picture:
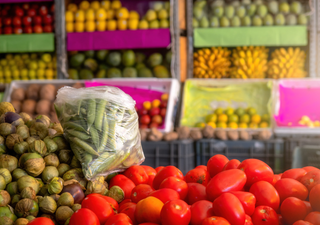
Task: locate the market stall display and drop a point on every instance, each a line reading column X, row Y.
column 116, row 64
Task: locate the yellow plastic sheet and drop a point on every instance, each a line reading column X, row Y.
column 199, row 96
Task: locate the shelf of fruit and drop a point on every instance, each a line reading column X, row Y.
column 249, row 62
column 258, row 23
column 27, row 67
column 110, row 25
column 115, row 64
column 27, row 27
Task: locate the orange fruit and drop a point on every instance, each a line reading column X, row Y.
column 147, row 105
column 233, row 125
column 218, row 111
column 243, row 125
column 200, row 125
column 263, row 125
column 212, row 124
column 229, row 111
column 222, row 125
column 148, row 210
column 256, row 119
column 72, row 7
column 251, row 111
column 155, row 103
column 223, row 118
column 253, row 125
column 165, row 97
column 211, row 118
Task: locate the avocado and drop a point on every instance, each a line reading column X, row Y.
column 114, row 58
column 140, row 57
column 91, row 64
column 77, row 59
column 161, row 72
column 73, row 74
column 130, row 72
column 128, row 58
column 155, row 59
column 86, row 74
column 101, row 73
column 101, row 55
column 144, row 72
column 114, row 72
column 89, row 54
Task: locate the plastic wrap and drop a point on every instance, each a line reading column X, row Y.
column 102, row 127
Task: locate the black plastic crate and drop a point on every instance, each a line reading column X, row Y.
column 176, row 153
column 271, row 151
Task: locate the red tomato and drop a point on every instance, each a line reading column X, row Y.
column 175, row 184
column 247, row 200
column 248, row 220
column 232, row 164
column 44, row 221
column 308, row 205
column 296, row 174
column 229, row 207
column 125, row 205
column 140, row 192
column 216, row 163
column 159, row 168
column 166, row 172
column 149, row 170
column 198, row 175
column 202, row 167
column 137, row 174
column 225, row 181
column 265, row 194
column 215, row 220
column 201, row 210
column 82, row 217
column 196, row 192
column 175, row 212
column 310, row 168
column 113, row 220
column 149, row 210
column 124, row 201
column 165, row 195
column 302, row 222
column 288, row 187
column 314, row 197
column 256, row 170
column 99, row 206
column 130, row 212
column 264, row 215
column 293, row 209
column 281, row 220
column 313, row 217
column 276, row 177
column 150, row 180
column 113, row 203
column 311, row 179
column 148, row 224
column 124, row 183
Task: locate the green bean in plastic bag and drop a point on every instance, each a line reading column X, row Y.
column 102, row 127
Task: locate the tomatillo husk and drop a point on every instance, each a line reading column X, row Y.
column 28, row 192
column 63, row 168
column 75, row 163
column 55, row 197
column 21, row 221
column 52, row 160
column 116, row 193
column 51, row 145
column 17, row 173
column 9, row 162
column 12, row 139
column 76, row 207
column 4, row 220
column 25, row 116
column 8, row 211
column 73, row 174
column 38, row 146
column 66, row 199
column 56, row 185
column 61, row 142
column 30, row 218
column 21, row 147
column 12, row 188
column 4, row 198
column 23, row 131
column 48, row 205
column 96, row 186
column 63, row 213
column 65, row 156
column 15, row 199
column 33, row 163
column 26, row 207
column 3, row 183
column 28, row 181
column 39, row 129
column 7, row 129
column 6, row 175
column 48, row 173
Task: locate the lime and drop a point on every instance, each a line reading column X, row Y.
column 200, row 125
column 240, row 112
column 265, row 118
column 211, row 118
column 229, row 111
column 251, row 111
column 233, row 118
column 253, row 125
column 218, row 111
column 245, row 118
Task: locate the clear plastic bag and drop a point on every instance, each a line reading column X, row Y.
column 102, row 127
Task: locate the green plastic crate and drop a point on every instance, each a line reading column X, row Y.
column 27, row 43
column 247, row 36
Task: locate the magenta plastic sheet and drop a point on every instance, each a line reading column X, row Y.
column 22, row 1
column 296, row 102
column 119, row 39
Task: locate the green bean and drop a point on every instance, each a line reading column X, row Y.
column 101, row 107
column 103, row 163
column 78, row 134
column 58, row 110
column 77, row 151
column 74, row 126
column 95, row 137
column 83, row 111
column 111, row 139
column 105, row 133
column 91, row 112
column 87, row 159
column 79, row 106
column 84, row 146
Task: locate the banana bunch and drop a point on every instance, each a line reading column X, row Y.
column 287, row 63
column 249, row 62
column 211, row 63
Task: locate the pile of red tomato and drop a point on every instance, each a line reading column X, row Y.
column 223, row 192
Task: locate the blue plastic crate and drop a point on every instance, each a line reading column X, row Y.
column 176, row 153
column 271, row 152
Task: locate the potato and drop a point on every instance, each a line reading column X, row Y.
column 221, row 134
column 43, row 107
column 196, row 134
column 18, row 94
column 171, row 136
column 264, row 135
column 155, row 135
column 143, row 134
column 183, row 132
column 33, row 91
column 48, row 92
column 29, row 106
column 233, row 135
column 77, row 85
column 208, row 132
column 244, row 135
column 16, row 105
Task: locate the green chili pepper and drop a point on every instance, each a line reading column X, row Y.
column 84, row 146
column 91, row 112
column 105, row 130
column 95, row 137
column 78, row 134
column 99, row 114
